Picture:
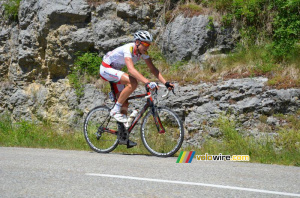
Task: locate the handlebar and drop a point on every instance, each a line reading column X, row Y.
column 163, row 96
column 168, row 92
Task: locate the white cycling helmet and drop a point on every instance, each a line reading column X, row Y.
column 143, row 36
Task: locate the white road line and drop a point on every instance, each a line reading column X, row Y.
column 195, row 184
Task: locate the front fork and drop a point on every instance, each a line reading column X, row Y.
column 157, row 120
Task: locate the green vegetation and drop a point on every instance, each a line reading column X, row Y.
column 190, row 9
column 277, row 21
column 11, row 8
column 211, row 23
column 281, row 149
column 269, row 44
column 86, row 67
column 39, row 135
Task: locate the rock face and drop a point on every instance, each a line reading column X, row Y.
column 44, row 43
column 246, row 101
column 190, row 38
column 49, row 33
column 56, row 102
column 113, row 23
column 199, row 106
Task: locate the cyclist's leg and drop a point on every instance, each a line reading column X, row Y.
column 119, row 77
column 122, row 96
column 113, row 75
column 118, row 89
column 131, row 84
column 120, row 80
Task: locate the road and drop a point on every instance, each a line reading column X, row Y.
column 39, row 173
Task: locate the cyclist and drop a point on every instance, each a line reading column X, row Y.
column 124, row 84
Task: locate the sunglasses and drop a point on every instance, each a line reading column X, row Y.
column 145, row 44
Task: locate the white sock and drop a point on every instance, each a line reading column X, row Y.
column 117, row 107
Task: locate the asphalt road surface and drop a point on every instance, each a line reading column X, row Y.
column 55, row 173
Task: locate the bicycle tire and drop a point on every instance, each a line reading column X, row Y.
column 98, row 138
column 162, row 144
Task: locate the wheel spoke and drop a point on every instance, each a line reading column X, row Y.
column 100, row 139
column 162, row 144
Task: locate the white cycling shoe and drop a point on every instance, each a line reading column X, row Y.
column 118, row 116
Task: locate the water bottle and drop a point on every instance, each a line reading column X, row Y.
column 132, row 116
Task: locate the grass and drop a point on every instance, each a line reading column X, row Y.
column 282, row 149
column 256, row 61
column 269, row 45
column 133, row 3
column 191, row 9
column 43, row 135
column 251, row 61
column 244, row 62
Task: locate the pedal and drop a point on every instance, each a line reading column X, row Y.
column 131, row 144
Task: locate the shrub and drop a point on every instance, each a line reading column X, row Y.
column 286, row 27
column 277, row 20
column 11, row 9
column 86, row 64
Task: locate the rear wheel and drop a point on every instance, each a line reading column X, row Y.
column 163, row 144
column 100, row 131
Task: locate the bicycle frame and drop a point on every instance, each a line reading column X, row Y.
column 150, row 104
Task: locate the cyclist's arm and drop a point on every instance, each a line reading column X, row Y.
column 155, row 71
column 134, row 72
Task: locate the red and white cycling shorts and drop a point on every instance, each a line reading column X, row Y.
column 110, row 74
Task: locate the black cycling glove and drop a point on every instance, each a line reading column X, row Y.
column 168, row 85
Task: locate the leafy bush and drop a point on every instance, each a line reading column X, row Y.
column 277, row 20
column 11, row 9
column 86, row 65
column 286, row 27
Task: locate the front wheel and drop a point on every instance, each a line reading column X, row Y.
column 162, row 144
column 100, row 131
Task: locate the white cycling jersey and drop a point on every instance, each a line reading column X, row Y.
column 116, row 58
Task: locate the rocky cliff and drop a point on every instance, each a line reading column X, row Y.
column 37, row 52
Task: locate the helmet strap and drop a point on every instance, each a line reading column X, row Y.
column 137, row 47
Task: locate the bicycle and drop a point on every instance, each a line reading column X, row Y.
column 162, row 136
